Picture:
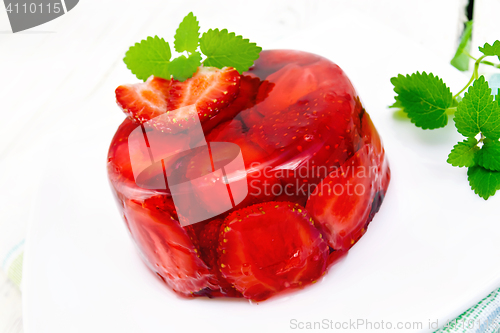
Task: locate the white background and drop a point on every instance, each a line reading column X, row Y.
column 39, row 69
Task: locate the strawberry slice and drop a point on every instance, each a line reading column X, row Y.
column 345, row 202
column 316, row 132
column 371, row 136
column 207, row 236
column 245, row 100
column 205, row 94
column 259, row 183
column 289, row 84
column 144, row 101
column 119, row 167
column 270, row 247
column 250, row 116
column 210, row 89
column 148, row 100
column 166, row 247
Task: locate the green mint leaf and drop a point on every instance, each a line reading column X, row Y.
column 183, row 68
column 491, row 126
column 484, row 182
column 424, row 97
column 491, row 50
column 149, row 57
column 187, row 36
column 489, row 155
column 462, row 154
column 225, row 49
column 477, row 112
column 461, row 60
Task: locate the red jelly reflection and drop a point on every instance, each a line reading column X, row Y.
column 280, row 176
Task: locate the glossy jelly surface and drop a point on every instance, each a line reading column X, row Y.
column 315, row 174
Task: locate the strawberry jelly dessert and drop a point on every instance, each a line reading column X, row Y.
column 313, row 169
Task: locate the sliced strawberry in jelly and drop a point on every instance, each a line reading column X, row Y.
column 202, row 165
column 162, row 204
column 270, row 247
column 250, row 116
column 371, row 136
column 330, row 75
column 290, row 84
column 167, row 248
column 207, row 234
column 312, row 135
column 119, row 167
column 342, row 202
column 228, row 130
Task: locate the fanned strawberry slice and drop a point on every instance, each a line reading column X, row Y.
column 205, row 94
column 210, row 89
column 143, row 101
column 270, row 247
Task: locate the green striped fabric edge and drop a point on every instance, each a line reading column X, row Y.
column 15, row 270
column 484, row 317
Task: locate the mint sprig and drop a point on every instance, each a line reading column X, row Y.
column 428, row 102
column 219, row 47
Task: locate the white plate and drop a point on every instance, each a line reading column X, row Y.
column 429, row 254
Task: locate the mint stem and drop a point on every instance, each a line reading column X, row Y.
column 489, row 63
column 451, row 111
column 469, row 55
column 473, row 77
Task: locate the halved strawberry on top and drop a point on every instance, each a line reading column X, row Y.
column 210, row 89
column 143, row 101
column 270, row 247
column 205, row 94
